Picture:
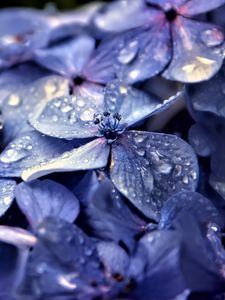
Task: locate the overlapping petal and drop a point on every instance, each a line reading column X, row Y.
column 195, row 7
column 68, row 58
column 41, row 199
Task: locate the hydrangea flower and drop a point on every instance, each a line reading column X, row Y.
column 145, row 167
column 162, row 36
column 36, row 29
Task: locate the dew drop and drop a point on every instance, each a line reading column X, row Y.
column 14, row 100
column 87, row 115
column 128, row 53
column 13, row 155
column 212, row 37
column 185, row 179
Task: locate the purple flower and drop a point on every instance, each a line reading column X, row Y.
column 145, row 167
column 152, row 37
column 25, row 30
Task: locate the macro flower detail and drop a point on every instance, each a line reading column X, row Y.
column 156, row 165
column 152, row 37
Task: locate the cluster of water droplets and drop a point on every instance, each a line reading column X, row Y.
column 7, row 187
column 17, row 151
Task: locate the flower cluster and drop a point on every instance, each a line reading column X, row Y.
column 112, row 172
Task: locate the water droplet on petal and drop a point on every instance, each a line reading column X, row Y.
column 14, row 100
column 87, row 115
column 212, row 37
column 128, row 53
column 13, row 155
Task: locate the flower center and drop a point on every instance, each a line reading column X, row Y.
column 109, row 124
column 78, row 80
column 171, row 14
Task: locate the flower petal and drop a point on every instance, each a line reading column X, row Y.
column 133, row 104
column 140, row 53
column 197, row 51
column 193, row 7
column 30, row 149
column 21, row 102
column 208, row 96
column 7, row 187
column 121, row 15
column 70, row 117
column 40, row 199
column 68, row 58
column 93, row 155
column 200, row 207
column 148, row 168
column 167, row 4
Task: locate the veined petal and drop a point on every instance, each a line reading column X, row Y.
column 197, row 51
column 7, row 187
column 148, row 168
column 93, row 155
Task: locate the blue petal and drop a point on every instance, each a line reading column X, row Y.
column 6, row 194
column 68, row 58
column 68, row 116
column 193, row 7
column 110, row 218
column 132, row 104
column 27, row 150
column 40, row 199
column 140, row 53
column 201, row 140
column 90, row 156
column 18, row 42
column 197, row 51
column 201, row 208
column 121, row 15
column 148, row 168
column 167, row 4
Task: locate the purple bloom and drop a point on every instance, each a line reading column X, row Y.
column 145, row 167
column 160, row 36
column 35, row 29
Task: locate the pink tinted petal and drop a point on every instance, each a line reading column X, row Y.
column 195, row 7
column 17, row 236
column 197, row 51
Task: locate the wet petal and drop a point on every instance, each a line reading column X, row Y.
column 194, row 7
column 198, row 51
column 200, row 207
column 6, row 194
column 93, row 155
column 29, row 149
column 132, row 104
column 20, row 103
column 140, row 53
column 66, row 259
column 67, row 58
column 110, row 18
column 68, row 116
column 40, row 199
column 208, row 96
column 148, row 168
